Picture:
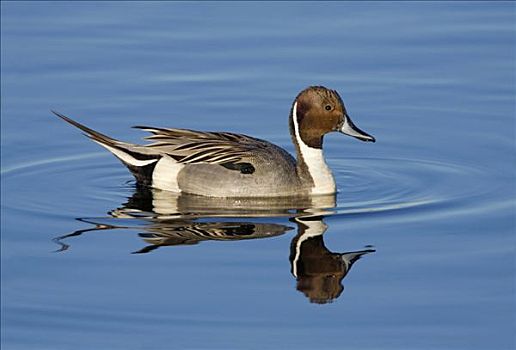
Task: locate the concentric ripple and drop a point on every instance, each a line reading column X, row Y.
column 373, row 185
column 366, row 185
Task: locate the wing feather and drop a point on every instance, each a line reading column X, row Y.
column 191, row 146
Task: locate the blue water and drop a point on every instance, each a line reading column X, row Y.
column 431, row 203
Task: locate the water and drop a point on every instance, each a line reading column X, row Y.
column 430, row 205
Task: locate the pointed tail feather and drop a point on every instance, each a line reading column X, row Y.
column 94, row 135
column 126, row 152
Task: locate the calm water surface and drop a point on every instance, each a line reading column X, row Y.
column 89, row 261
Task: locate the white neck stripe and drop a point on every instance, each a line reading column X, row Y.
column 324, row 183
column 314, row 229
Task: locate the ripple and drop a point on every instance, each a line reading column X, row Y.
column 372, row 185
column 366, row 185
column 25, row 168
column 38, row 187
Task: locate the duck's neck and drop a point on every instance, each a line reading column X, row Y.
column 311, row 165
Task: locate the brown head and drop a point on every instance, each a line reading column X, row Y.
column 317, row 111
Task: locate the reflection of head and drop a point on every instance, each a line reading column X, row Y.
column 321, row 288
column 318, row 271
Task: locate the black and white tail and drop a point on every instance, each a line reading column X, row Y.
column 139, row 162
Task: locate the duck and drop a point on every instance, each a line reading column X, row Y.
column 225, row 164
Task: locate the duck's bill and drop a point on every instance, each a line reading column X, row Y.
column 350, row 129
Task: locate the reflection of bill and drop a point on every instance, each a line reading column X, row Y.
column 318, row 271
column 173, row 220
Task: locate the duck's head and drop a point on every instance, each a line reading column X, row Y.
column 317, row 111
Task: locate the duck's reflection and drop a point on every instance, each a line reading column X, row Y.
column 172, row 220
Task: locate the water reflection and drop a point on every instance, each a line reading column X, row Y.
column 189, row 233
column 168, row 219
column 163, row 205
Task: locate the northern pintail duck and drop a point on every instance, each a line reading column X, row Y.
column 223, row 164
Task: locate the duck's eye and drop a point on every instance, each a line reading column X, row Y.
column 327, row 107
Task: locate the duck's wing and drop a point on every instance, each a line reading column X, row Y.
column 191, row 146
column 183, row 145
column 232, row 151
